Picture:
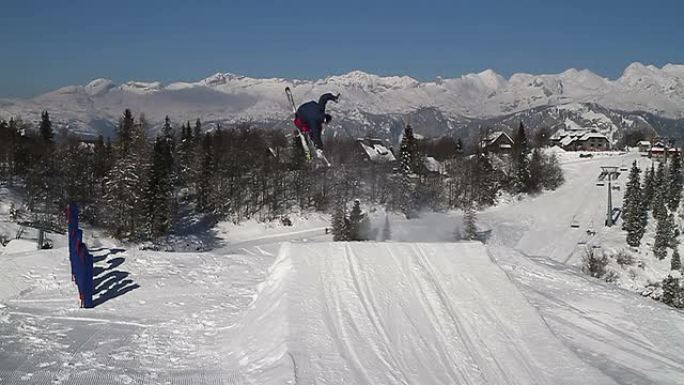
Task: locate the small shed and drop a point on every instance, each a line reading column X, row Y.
column 644, row 146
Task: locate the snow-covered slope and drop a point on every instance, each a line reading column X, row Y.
column 517, row 310
column 400, row 313
column 229, row 97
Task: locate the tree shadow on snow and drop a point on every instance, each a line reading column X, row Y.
column 109, row 282
column 100, row 258
column 198, row 231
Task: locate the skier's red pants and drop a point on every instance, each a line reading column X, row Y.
column 303, row 127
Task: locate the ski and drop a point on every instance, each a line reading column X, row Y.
column 302, row 137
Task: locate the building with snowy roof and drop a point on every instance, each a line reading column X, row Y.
column 433, row 166
column 581, row 141
column 593, row 141
column 644, row 146
column 375, row 150
column 497, row 142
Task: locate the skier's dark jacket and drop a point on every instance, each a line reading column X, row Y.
column 312, row 114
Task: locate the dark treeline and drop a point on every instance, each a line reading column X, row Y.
column 141, row 186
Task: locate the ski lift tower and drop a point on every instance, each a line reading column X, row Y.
column 610, row 171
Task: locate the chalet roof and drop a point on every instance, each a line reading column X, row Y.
column 433, row 165
column 493, row 136
column 592, row 135
column 376, row 150
column 568, row 140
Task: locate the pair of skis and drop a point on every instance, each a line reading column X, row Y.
column 307, row 145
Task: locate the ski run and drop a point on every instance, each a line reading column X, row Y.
column 286, row 305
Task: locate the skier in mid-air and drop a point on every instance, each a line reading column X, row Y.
column 310, row 116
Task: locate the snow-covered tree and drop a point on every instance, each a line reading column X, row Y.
column 649, row 187
column 125, row 182
column 660, row 192
column 204, row 172
column 485, row 186
column 664, row 236
column 186, row 153
column 355, row 218
column 673, row 294
column 340, row 223
column 676, row 181
column 536, row 168
column 408, row 157
column 676, row 262
column 126, row 132
column 408, row 151
column 122, row 196
column 159, row 193
column 634, row 215
column 552, row 173
column 521, row 162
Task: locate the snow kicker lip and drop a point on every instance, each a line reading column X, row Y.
column 396, row 313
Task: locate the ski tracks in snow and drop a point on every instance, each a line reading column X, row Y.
column 396, row 313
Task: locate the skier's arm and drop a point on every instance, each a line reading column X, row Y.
column 325, row 98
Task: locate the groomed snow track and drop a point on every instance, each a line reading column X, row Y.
column 398, row 313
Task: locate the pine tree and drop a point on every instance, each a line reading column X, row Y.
column 408, row 151
column 536, row 171
column 676, row 262
column 634, row 214
column 649, row 187
column 552, row 174
column 356, row 219
column 521, row 163
column 126, row 132
column 660, row 192
column 484, row 182
column 185, row 156
column 469, row 223
column 122, row 196
column 664, row 236
column 46, row 132
column 204, row 171
column 167, row 130
column 126, row 179
column 408, row 157
column 673, row 294
column 340, row 224
column 676, row 181
column 159, row 194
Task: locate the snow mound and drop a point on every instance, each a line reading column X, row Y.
column 398, row 313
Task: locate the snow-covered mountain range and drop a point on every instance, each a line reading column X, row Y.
column 380, row 104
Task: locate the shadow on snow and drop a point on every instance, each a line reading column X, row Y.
column 109, row 281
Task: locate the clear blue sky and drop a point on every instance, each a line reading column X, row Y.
column 51, row 43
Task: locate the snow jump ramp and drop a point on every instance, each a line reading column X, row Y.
column 398, row 313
